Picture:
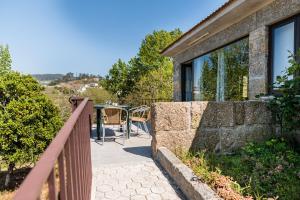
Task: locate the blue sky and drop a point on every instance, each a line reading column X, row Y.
column 59, row 36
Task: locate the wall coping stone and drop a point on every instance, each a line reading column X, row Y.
column 184, row 177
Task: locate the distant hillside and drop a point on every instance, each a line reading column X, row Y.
column 47, row 77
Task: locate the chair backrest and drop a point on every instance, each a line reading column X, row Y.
column 142, row 112
column 112, row 116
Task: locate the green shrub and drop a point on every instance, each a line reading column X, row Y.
column 28, row 120
column 285, row 105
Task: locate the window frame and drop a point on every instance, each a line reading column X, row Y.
column 296, row 20
column 183, row 79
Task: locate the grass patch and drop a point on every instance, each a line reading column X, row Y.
column 257, row 171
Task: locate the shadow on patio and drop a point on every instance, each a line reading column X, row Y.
column 136, row 149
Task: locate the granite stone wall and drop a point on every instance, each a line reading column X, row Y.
column 215, row 126
column 256, row 27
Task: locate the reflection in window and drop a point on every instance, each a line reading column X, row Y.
column 283, row 45
column 223, row 74
column 236, row 58
column 205, row 78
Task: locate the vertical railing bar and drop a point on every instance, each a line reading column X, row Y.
column 62, row 176
column 84, row 137
column 79, row 155
column 76, row 158
column 84, row 154
column 89, row 163
column 74, row 163
column 87, row 142
column 69, row 170
column 51, row 185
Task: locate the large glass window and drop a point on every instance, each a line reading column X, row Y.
column 205, row 78
column 235, row 59
column 285, row 40
column 222, row 74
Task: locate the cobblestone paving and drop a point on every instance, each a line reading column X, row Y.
column 141, row 181
column 129, row 172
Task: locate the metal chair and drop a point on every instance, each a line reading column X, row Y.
column 113, row 116
column 141, row 115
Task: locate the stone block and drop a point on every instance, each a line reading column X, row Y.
column 197, row 110
column 209, row 116
column 168, row 116
column 257, row 85
column 233, row 139
column 173, row 140
column 239, row 112
column 218, row 114
column 225, row 113
column 206, row 138
column 258, row 65
column 256, row 112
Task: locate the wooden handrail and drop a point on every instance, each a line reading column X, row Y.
column 71, row 149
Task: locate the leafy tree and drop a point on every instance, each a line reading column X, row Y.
column 153, row 44
column 117, row 81
column 147, row 75
column 156, row 84
column 156, row 79
column 5, row 60
column 28, row 120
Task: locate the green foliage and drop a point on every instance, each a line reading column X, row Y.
column 59, row 99
column 28, row 119
column 149, row 74
column 118, row 80
column 5, row 60
column 267, row 170
column 157, row 84
column 98, row 95
column 157, row 80
column 152, row 46
column 286, row 105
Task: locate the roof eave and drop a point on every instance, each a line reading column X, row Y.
column 225, row 15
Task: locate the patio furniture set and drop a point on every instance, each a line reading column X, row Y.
column 123, row 116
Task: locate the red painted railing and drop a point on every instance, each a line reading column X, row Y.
column 66, row 163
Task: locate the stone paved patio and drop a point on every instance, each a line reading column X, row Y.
column 129, row 172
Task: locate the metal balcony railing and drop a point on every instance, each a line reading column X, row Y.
column 65, row 166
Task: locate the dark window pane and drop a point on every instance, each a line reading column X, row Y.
column 188, row 83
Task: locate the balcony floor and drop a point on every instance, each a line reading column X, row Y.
column 128, row 172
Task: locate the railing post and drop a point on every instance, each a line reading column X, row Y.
column 75, row 101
